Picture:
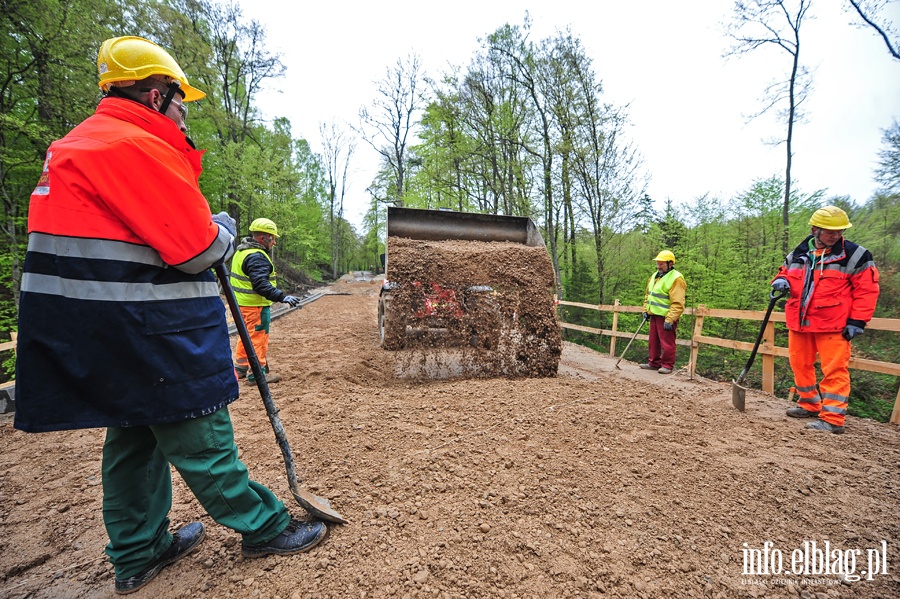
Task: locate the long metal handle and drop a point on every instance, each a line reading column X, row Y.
column 633, row 337
column 315, row 505
column 260, row 376
column 759, row 337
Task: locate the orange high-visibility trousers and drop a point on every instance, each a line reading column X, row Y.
column 260, row 339
column 833, row 393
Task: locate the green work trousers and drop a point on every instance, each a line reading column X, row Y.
column 137, row 487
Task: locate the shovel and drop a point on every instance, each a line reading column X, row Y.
column 738, row 392
column 315, row 505
column 633, row 337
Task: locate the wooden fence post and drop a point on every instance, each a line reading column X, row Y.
column 615, row 325
column 698, row 330
column 895, row 415
column 768, row 359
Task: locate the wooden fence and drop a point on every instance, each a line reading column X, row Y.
column 767, row 348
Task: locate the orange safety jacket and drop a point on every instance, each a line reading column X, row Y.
column 831, row 290
column 120, row 319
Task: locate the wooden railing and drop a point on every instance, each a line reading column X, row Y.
column 767, row 348
column 9, row 344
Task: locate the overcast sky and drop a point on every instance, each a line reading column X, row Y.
column 688, row 105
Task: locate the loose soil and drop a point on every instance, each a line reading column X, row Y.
column 593, row 483
column 508, row 328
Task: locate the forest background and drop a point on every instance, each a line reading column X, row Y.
column 523, row 129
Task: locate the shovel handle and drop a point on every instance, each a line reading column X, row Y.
column 762, row 329
column 260, row 376
column 315, row 505
column 633, row 337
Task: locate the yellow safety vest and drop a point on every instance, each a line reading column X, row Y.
column 240, row 282
column 658, row 292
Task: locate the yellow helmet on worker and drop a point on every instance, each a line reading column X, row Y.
column 122, row 61
column 665, row 256
column 830, row 217
column 264, row 225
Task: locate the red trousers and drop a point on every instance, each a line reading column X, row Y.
column 661, row 343
column 259, row 339
column 833, row 392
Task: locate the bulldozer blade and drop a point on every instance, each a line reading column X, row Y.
column 440, row 225
column 738, row 395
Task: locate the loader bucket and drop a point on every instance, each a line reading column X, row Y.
column 442, row 225
column 472, row 293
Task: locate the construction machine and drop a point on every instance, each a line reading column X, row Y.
column 473, row 289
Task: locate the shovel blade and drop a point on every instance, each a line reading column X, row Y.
column 738, row 394
column 317, row 506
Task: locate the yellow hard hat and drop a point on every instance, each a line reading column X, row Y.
column 124, row 60
column 264, row 225
column 665, row 256
column 830, row 217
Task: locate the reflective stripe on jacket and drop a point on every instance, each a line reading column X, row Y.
column 665, row 295
column 253, row 279
column 120, row 320
column 829, row 291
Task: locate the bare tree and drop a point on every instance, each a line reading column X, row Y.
column 776, row 23
column 511, row 45
column 870, row 13
column 388, row 125
column 887, row 173
column 338, row 148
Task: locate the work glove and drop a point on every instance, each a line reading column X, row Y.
column 265, row 319
column 850, row 331
column 779, row 287
column 292, row 301
column 668, row 326
column 646, row 316
column 226, row 221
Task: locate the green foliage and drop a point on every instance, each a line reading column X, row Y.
column 728, row 251
column 251, row 169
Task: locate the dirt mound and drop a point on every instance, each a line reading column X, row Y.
column 595, row 483
column 492, row 302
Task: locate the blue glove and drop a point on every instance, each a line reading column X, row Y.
column 780, row 287
column 668, row 326
column 850, row 331
column 292, row 301
column 226, row 221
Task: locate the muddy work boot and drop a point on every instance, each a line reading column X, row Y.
column 648, row 367
column 821, row 425
column 241, row 372
column 664, row 370
column 183, row 542
column 299, row 536
column 270, row 378
column 801, row 413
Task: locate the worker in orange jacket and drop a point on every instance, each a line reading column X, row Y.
column 253, row 281
column 121, row 325
column 833, row 284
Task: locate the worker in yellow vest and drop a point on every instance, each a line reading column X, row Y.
column 253, row 281
column 663, row 306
